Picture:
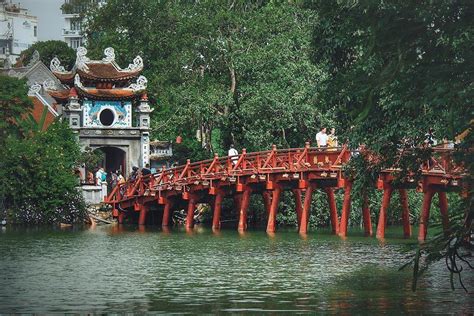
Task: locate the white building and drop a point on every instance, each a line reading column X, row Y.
column 72, row 30
column 18, row 30
column 73, row 23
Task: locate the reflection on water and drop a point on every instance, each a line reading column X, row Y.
column 111, row 269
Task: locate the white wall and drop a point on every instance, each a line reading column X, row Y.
column 23, row 33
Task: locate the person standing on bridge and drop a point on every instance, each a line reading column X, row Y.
column 120, row 178
column 100, row 176
column 332, row 138
column 322, row 138
column 146, row 170
column 233, row 154
column 133, row 174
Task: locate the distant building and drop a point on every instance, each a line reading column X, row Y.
column 73, row 22
column 160, row 154
column 18, row 30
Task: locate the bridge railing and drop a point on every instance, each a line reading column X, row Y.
column 263, row 162
column 292, row 160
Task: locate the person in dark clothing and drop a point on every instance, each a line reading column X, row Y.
column 146, row 170
column 134, row 174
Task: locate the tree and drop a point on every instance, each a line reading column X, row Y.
column 209, row 69
column 395, row 70
column 14, row 103
column 36, row 166
column 48, row 50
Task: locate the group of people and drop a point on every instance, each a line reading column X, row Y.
column 326, row 140
column 112, row 179
column 136, row 172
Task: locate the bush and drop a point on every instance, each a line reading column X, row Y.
column 39, row 185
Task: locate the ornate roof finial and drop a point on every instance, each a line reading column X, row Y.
column 55, row 65
column 81, row 58
column 77, row 81
column 34, row 89
column 137, row 64
column 49, row 85
column 34, row 58
column 140, row 85
column 109, row 53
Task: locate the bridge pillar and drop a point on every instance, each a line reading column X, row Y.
column 121, row 217
column 306, row 210
column 190, row 214
column 243, row 209
column 299, row 206
column 273, row 209
column 166, row 213
column 366, row 215
column 216, row 218
column 142, row 216
column 267, row 200
column 443, row 207
column 332, row 210
column 346, row 209
column 405, row 213
column 387, row 194
column 425, row 214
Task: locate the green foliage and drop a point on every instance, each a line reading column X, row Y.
column 91, row 158
column 79, row 6
column 395, row 70
column 237, row 69
column 36, row 166
column 38, row 184
column 14, row 103
column 48, row 50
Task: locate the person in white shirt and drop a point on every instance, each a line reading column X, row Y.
column 98, row 176
column 233, row 152
column 322, row 138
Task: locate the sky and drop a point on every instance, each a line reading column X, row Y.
column 50, row 21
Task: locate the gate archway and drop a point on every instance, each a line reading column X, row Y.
column 114, row 159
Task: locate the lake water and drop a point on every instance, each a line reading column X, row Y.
column 117, row 269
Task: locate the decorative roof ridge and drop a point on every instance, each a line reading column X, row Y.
column 139, row 86
column 55, row 67
column 82, row 61
column 50, row 85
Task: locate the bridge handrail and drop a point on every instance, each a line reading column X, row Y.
column 262, row 162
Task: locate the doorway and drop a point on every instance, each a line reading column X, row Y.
column 114, row 159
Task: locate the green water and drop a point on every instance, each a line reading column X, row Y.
column 112, row 269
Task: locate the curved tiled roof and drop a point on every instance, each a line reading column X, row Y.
column 105, row 70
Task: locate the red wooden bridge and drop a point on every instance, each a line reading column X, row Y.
column 268, row 173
